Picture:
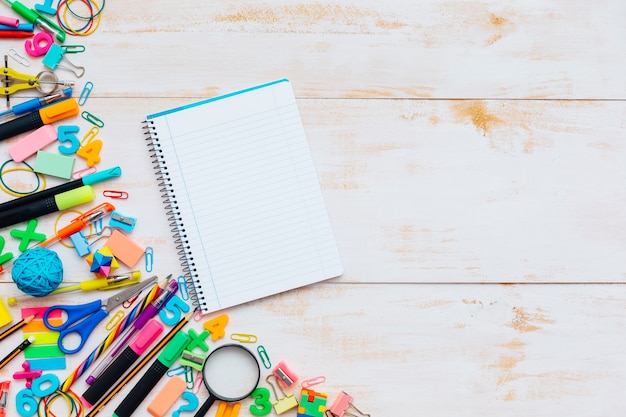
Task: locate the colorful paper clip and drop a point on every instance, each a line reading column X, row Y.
column 149, row 257
column 20, row 59
column 83, row 172
column 244, row 337
column 84, row 94
column 122, row 195
column 265, row 359
column 92, row 119
column 307, row 383
column 182, row 287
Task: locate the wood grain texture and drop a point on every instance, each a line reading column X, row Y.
column 471, row 156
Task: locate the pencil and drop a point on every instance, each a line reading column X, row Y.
column 26, row 343
column 169, row 336
column 17, row 326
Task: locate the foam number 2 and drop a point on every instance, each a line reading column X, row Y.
column 25, row 403
column 66, row 134
column 262, row 405
column 216, row 326
column 176, row 306
column 90, row 152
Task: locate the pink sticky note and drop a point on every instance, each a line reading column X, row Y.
column 35, row 141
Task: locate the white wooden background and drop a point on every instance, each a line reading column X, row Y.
column 471, row 154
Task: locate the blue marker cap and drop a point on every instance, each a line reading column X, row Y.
column 102, row 175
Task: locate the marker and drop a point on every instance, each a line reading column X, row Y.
column 79, row 223
column 38, row 19
column 122, row 363
column 46, row 115
column 15, row 34
column 150, row 311
column 153, row 375
column 58, row 202
column 17, row 326
column 26, row 343
column 90, row 179
column 37, row 103
column 146, row 358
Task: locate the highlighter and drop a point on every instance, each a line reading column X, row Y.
column 153, row 375
column 57, row 202
column 122, row 363
column 48, row 114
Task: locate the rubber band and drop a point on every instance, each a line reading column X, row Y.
column 92, row 14
column 74, row 405
column 41, row 180
column 65, row 25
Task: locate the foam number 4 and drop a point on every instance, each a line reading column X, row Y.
column 66, row 134
column 216, row 326
column 176, row 306
column 25, row 403
column 39, row 45
column 262, row 405
column 90, row 152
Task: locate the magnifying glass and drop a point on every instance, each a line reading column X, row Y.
column 230, row 373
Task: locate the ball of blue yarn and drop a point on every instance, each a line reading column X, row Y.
column 37, row 271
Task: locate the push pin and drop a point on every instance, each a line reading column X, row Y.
column 342, row 404
column 27, row 374
column 286, row 402
column 284, row 375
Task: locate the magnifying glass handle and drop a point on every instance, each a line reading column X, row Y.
column 205, row 407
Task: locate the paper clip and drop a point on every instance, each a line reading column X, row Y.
column 90, row 135
column 197, row 383
column 92, row 119
column 130, row 301
column 307, row 383
column 244, row 337
column 84, row 95
column 72, row 49
column 83, row 172
column 122, row 195
column 149, row 254
column 19, row 58
column 182, row 287
column 179, row 370
column 198, row 315
column 117, row 317
column 265, row 359
column 189, row 377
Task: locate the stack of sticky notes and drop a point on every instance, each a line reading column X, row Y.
column 44, row 354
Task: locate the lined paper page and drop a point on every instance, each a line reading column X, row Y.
column 250, row 202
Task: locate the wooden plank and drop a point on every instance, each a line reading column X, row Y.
column 362, row 49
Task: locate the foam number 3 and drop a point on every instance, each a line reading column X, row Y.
column 90, row 152
column 39, row 45
column 216, row 326
column 66, row 134
column 262, row 405
column 176, row 306
column 25, row 403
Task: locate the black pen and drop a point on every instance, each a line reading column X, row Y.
column 26, row 343
column 148, row 381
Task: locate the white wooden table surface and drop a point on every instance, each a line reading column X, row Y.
column 471, row 154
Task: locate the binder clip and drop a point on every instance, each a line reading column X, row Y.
column 55, row 54
column 284, row 375
column 120, row 221
column 80, row 244
column 312, row 403
column 341, row 405
column 284, row 403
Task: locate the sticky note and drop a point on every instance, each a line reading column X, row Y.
column 124, row 249
column 47, row 364
column 30, row 144
column 54, row 164
column 43, row 351
column 167, row 396
column 5, row 315
column 48, row 338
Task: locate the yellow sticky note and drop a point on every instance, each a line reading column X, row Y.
column 5, row 314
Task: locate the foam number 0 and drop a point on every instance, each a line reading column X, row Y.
column 39, row 45
column 262, row 405
column 176, row 306
column 25, row 403
column 90, row 152
column 216, row 326
column 66, row 134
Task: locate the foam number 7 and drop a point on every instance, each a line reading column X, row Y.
column 90, row 152
column 216, row 326
column 176, row 306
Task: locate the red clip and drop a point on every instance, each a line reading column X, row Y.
column 115, row 194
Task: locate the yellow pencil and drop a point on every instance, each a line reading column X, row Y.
column 17, row 326
column 26, row 343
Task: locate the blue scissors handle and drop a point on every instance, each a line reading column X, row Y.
column 81, row 319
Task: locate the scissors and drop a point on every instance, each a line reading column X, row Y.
column 83, row 318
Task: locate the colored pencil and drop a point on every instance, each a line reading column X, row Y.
column 26, row 343
column 16, row 327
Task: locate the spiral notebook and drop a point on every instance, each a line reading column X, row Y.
column 243, row 196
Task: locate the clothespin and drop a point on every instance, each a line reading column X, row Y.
column 55, row 54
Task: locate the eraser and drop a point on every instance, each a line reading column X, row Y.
column 124, row 249
column 30, row 144
column 167, row 397
column 54, row 164
column 5, row 314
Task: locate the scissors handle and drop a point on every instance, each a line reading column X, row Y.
column 81, row 319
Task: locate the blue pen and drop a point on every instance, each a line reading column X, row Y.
column 26, row 27
column 37, row 103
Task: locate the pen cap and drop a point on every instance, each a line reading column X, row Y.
column 148, row 334
column 59, row 110
column 75, row 197
column 24, row 11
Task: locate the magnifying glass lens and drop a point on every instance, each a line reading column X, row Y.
column 231, row 373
